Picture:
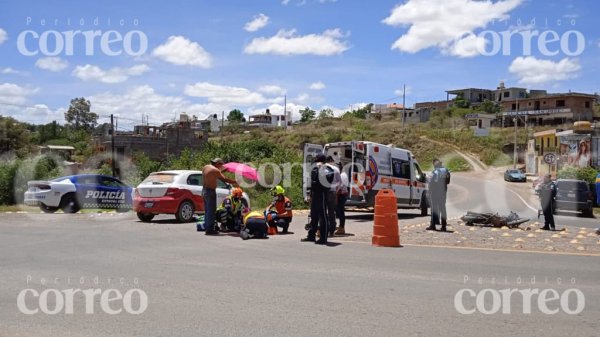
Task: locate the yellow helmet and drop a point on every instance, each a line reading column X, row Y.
column 278, row 190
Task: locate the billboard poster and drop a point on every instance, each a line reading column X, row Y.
column 575, row 150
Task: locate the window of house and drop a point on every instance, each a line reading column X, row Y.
column 506, row 94
column 547, row 142
column 555, row 141
column 514, row 106
column 529, row 103
column 560, row 103
column 587, row 104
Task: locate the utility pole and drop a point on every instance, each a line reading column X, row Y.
column 403, row 105
column 112, row 140
column 516, row 120
column 222, row 124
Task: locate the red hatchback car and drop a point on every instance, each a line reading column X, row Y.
column 177, row 192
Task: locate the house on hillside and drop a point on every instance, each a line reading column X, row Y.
column 157, row 142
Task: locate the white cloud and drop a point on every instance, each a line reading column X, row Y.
column 19, row 106
column 400, row 92
column 330, row 42
column 468, row 46
column 181, row 51
column 54, row 64
column 144, row 100
column 446, row 24
column 272, row 90
column 308, row 99
column 235, row 96
column 258, row 22
column 317, row 86
column 9, row 71
column 90, row 72
column 15, row 94
column 3, row 36
column 531, row 70
column 285, row 2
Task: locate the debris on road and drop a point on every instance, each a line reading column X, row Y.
column 493, row 220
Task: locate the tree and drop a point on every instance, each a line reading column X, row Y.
column 490, row 107
column 307, row 115
column 236, row 116
column 14, row 136
column 325, row 113
column 79, row 115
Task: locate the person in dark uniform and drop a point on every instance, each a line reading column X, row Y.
column 547, row 195
column 438, row 188
column 321, row 177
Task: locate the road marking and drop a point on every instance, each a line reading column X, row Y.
column 479, row 248
column 523, row 200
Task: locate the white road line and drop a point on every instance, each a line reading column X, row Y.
column 523, row 200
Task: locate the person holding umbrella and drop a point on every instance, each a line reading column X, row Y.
column 211, row 174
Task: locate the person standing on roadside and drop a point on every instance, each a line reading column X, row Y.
column 332, row 194
column 547, row 195
column 438, row 187
column 211, row 174
column 342, row 197
column 321, row 177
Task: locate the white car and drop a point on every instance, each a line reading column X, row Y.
column 177, row 192
column 72, row 193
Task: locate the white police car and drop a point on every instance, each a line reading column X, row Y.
column 72, row 193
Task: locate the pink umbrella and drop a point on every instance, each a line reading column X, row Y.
column 243, row 169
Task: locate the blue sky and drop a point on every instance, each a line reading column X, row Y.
column 204, row 57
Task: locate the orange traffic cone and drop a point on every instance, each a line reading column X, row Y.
column 385, row 227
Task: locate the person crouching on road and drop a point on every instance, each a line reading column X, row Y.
column 438, row 187
column 321, row 177
column 547, row 195
column 253, row 225
column 230, row 212
column 282, row 214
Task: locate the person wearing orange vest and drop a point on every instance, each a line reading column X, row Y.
column 253, row 225
column 279, row 212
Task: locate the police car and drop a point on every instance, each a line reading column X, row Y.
column 72, row 193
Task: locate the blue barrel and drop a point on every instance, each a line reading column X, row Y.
column 598, row 189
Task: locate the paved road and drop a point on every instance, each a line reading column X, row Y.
column 223, row 286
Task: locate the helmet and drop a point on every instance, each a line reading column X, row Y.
column 237, row 192
column 277, row 190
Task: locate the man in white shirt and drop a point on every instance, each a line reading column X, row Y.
column 332, row 195
column 342, row 196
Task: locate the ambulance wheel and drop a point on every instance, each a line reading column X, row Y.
column 69, row 204
column 145, row 217
column 185, row 212
column 424, row 205
column 48, row 209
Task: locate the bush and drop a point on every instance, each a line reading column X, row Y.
column 586, row 173
column 8, row 172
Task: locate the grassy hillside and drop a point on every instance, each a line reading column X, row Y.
column 447, row 127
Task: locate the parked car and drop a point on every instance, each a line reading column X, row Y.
column 72, row 193
column 177, row 192
column 514, row 175
column 574, row 195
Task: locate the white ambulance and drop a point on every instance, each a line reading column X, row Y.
column 372, row 167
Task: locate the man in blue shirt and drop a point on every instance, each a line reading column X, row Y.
column 438, row 187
